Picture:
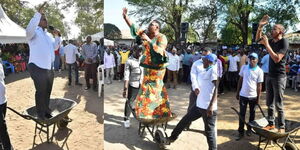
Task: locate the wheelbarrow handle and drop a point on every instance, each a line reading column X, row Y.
column 238, row 113
column 262, row 112
column 22, row 115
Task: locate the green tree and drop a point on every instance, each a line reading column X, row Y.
column 231, row 35
column 111, row 31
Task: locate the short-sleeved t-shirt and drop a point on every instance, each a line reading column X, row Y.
column 251, row 76
column 205, row 80
column 233, row 63
column 277, row 70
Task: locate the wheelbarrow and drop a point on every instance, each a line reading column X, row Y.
column 258, row 125
column 156, row 127
column 60, row 108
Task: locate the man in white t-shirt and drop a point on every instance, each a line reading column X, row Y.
column 206, row 105
column 173, row 67
column 72, row 55
column 4, row 137
column 109, row 64
column 233, row 70
column 249, row 91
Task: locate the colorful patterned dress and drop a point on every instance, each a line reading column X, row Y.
column 152, row 101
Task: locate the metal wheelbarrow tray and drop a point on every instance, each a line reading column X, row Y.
column 60, row 108
column 291, row 129
column 156, row 127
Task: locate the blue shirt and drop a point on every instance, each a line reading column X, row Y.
column 265, row 63
column 187, row 59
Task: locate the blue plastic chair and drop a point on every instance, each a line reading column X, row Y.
column 8, row 65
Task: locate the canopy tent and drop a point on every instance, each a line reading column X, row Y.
column 108, row 42
column 97, row 36
column 10, row 32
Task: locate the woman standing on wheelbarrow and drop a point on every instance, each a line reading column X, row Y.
column 152, row 100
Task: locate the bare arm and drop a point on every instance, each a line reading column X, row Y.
column 213, row 99
column 126, row 18
column 239, row 87
column 262, row 22
column 277, row 57
column 259, row 87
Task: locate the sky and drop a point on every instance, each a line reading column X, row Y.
column 69, row 14
column 113, row 13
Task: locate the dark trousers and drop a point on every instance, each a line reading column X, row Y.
column 221, row 84
column 122, row 68
column 275, row 90
column 57, row 62
column 4, row 137
column 244, row 101
column 186, row 73
column 209, row 122
column 264, row 83
column 132, row 93
column 43, row 82
column 192, row 103
column 75, row 66
column 91, row 72
column 233, row 78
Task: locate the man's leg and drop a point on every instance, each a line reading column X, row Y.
column 252, row 107
column 175, row 78
column 209, row 122
column 4, row 137
column 192, row 103
column 169, row 75
column 279, row 87
column 111, row 74
column 49, row 90
column 87, row 75
column 94, row 75
column 270, row 101
column 39, row 77
column 243, row 109
column 70, row 73
column 192, row 115
column 76, row 73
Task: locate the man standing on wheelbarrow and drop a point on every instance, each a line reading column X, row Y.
column 206, row 104
column 41, row 58
column 276, row 80
column 248, row 91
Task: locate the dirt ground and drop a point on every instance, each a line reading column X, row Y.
column 117, row 137
column 84, row 132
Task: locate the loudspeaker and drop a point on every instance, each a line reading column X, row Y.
column 184, row 27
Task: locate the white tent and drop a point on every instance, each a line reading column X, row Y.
column 97, row 36
column 108, row 42
column 10, row 32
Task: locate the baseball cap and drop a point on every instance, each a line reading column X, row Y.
column 207, row 49
column 211, row 57
column 253, row 55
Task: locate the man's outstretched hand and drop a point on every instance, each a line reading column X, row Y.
column 125, row 11
column 41, row 9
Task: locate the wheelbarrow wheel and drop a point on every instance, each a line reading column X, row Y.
column 290, row 146
column 63, row 123
column 159, row 138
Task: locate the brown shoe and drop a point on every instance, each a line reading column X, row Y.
column 269, row 127
column 281, row 130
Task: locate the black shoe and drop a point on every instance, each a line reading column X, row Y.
column 249, row 132
column 239, row 137
column 48, row 115
column 86, row 88
column 170, row 140
column 79, row 84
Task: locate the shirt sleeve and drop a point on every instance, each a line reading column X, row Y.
column 260, row 78
column 178, row 63
column 194, row 73
column 95, row 51
column 214, row 73
column 127, row 71
column 57, row 41
column 242, row 70
column 33, row 24
column 284, row 49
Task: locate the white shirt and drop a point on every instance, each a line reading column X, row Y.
column 233, row 63
column 109, row 61
column 41, row 44
column 174, row 62
column 197, row 67
column 206, row 87
column 180, row 60
column 71, row 51
column 250, row 79
column 2, row 86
